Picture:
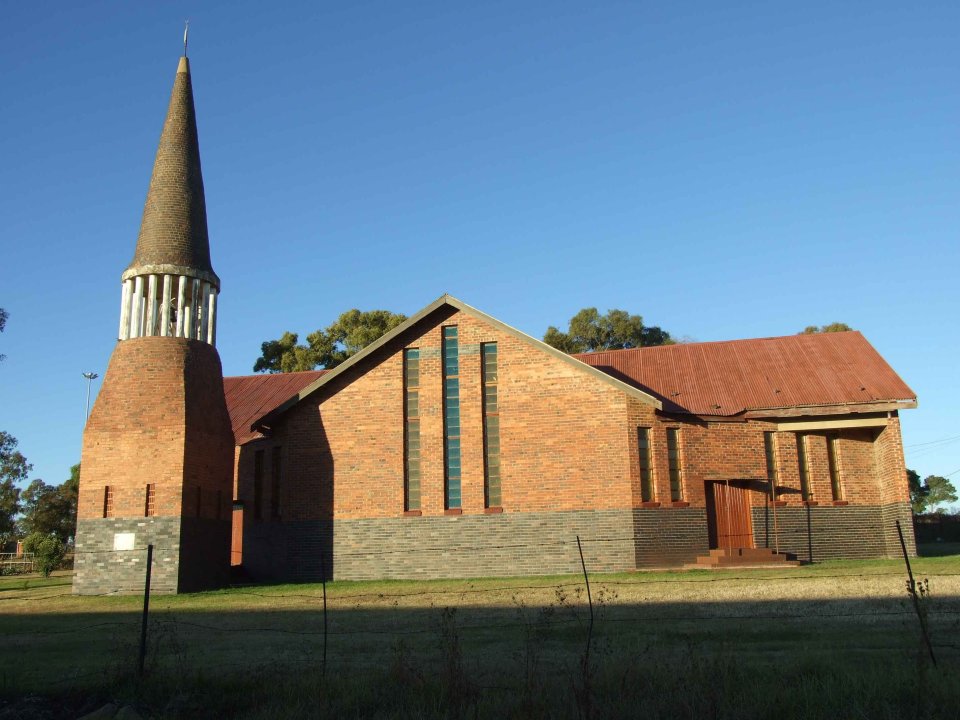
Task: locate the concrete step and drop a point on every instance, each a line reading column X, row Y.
column 742, row 557
column 743, row 566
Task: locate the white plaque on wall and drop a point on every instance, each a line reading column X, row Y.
column 124, row 541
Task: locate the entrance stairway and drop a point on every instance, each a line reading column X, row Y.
column 742, row 558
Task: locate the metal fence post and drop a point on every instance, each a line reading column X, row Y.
column 146, row 610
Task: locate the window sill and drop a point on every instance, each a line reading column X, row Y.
column 650, row 504
column 679, row 504
column 779, row 503
column 496, row 510
column 412, row 513
column 840, row 503
column 810, row 503
column 453, row 511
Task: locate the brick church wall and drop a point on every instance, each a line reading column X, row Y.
column 566, row 459
column 570, row 465
column 160, row 419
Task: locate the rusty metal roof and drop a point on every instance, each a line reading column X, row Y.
column 250, row 397
column 731, row 377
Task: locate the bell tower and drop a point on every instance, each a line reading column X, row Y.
column 157, row 462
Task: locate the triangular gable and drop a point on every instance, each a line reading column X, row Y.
column 450, row 301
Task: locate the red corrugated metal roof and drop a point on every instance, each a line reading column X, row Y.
column 730, row 377
column 250, row 397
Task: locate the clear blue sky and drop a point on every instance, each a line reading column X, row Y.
column 726, row 170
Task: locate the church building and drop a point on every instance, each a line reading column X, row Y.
column 457, row 446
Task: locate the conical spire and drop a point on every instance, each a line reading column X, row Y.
column 173, row 232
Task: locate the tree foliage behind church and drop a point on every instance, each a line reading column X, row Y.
column 13, row 469
column 589, row 331
column 327, row 348
column 932, row 491
column 3, row 323
column 51, row 509
column 832, row 327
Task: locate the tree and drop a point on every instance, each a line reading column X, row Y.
column 351, row 332
column 13, row 469
column 48, row 551
column 832, row 327
column 933, row 491
column 3, row 323
column 284, row 355
column 51, row 510
column 589, row 331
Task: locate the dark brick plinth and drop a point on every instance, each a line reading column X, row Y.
column 828, row 532
column 100, row 569
column 449, row 546
column 669, row 536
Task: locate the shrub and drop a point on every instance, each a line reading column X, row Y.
column 48, row 551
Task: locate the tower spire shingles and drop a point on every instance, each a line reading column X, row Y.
column 174, row 227
column 170, row 288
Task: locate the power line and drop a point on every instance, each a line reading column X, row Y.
column 954, row 438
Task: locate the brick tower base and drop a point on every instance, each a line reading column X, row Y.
column 160, row 420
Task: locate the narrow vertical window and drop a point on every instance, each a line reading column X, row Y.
column 491, row 426
column 150, row 503
column 107, row 501
column 258, row 485
column 673, row 460
column 451, row 418
column 770, row 451
column 198, row 500
column 832, row 461
column 411, row 430
column 643, row 448
column 805, row 493
column 275, row 483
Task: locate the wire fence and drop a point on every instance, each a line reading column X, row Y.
column 345, row 619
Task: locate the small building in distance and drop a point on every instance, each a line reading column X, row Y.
column 457, row 446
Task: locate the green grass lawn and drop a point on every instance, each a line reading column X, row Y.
column 826, row 640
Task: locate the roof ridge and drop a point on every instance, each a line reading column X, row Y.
column 279, row 374
column 715, row 342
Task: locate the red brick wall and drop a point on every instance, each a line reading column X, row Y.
column 568, row 441
column 565, row 440
column 891, row 465
column 869, row 459
column 142, row 429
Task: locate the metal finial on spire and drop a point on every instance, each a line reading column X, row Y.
column 186, row 29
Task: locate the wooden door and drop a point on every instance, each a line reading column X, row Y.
column 236, row 543
column 728, row 509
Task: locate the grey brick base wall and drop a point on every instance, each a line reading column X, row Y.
column 458, row 546
column 668, row 537
column 545, row 543
column 265, row 548
column 99, row 569
column 828, row 532
column 205, row 563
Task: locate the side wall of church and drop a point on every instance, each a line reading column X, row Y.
column 570, row 466
column 565, row 457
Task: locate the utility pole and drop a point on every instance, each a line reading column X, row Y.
column 90, row 376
